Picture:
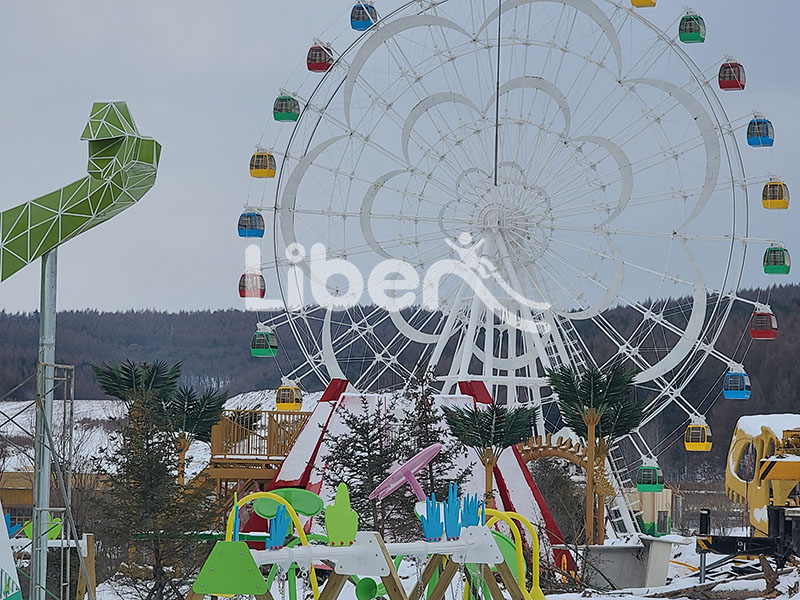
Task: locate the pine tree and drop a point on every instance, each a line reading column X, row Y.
column 362, row 458
column 145, row 508
column 422, row 425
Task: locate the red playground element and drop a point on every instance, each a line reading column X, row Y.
column 731, row 76
column 335, row 389
column 319, row 59
column 763, row 326
column 477, row 390
column 252, row 285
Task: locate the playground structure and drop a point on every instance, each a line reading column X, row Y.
column 471, row 548
column 248, row 448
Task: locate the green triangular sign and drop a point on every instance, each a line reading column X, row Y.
column 230, row 570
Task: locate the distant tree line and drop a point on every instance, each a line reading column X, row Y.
column 214, row 349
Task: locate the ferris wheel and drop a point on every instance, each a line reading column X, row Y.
column 549, row 182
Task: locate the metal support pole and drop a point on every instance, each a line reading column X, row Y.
column 44, row 416
column 705, row 529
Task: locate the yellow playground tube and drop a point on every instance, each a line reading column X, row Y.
column 535, row 593
column 292, row 515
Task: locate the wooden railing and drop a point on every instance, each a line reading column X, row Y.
column 256, row 433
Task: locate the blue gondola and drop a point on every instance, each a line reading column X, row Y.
column 251, row 225
column 736, row 386
column 760, row 133
column 363, row 16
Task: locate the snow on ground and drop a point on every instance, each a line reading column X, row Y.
column 94, row 424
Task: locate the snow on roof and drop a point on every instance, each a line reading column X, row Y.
column 777, row 423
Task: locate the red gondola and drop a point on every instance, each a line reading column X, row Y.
column 763, row 326
column 731, row 76
column 319, row 59
column 252, row 285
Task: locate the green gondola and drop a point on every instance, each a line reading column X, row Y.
column 649, row 478
column 264, row 344
column 286, row 108
column 777, row 261
column 692, row 29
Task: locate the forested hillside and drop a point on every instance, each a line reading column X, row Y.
column 214, row 347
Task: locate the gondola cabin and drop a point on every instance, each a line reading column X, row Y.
column 289, row 397
column 697, row 438
column 692, row 29
column 363, row 16
column 777, row 261
column 775, row 195
column 262, row 165
column 251, row 225
column 760, row 133
column 286, row 108
column 736, row 386
column 319, row 59
column 643, row 3
column 731, row 76
column 763, row 326
column 252, row 285
column 650, row 478
column 264, row 344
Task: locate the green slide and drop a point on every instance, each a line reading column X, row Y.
column 122, row 168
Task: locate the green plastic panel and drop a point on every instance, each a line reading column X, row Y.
column 230, row 570
column 122, row 168
column 341, row 523
column 302, row 501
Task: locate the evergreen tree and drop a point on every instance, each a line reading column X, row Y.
column 422, row 425
column 362, row 457
column 145, row 509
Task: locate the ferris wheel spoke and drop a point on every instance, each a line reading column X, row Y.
column 307, row 212
column 638, row 167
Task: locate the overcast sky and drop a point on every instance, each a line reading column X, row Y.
column 200, row 77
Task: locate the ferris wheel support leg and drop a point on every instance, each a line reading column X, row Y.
column 532, row 337
column 474, row 317
column 488, row 350
column 448, row 326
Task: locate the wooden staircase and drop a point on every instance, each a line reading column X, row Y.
column 248, row 447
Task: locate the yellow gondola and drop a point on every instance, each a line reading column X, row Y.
column 775, row 195
column 643, row 3
column 289, row 397
column 697, row 438
column 262, row 165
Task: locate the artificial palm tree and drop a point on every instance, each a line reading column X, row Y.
column 184, row 411
column 489, row 429
column 600, row 408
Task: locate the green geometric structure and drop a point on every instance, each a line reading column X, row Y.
column 230, row 570
column 122, row 168
column 341, row 523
